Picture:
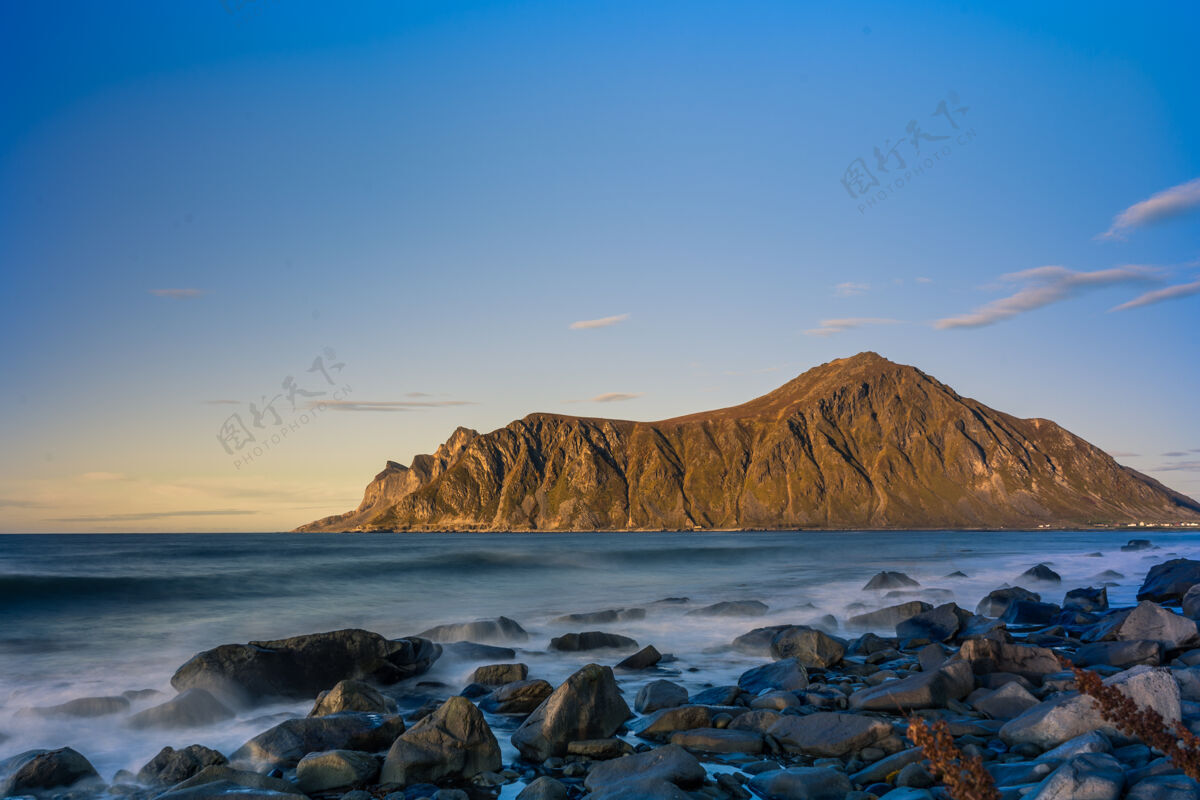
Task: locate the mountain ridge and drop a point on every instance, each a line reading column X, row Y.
column 855, row 443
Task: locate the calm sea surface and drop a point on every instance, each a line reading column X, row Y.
column 101, row 614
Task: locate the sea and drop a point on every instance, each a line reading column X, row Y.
column 99, row 615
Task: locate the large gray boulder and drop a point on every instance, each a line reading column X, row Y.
column 889, row 580
column 501, row 630
column 659, row 694
column 499, row 674
column 802, row 783
column 1148, row 621
column 1095, row 776
column 719, row 740
column 588, row 705
column 171, row 766
column 1009, row 701
column 303, row 666
column 1122, row 655
column 828, row 733
column 787, row 674
column 671, row 765
column 592, row 640
column 1054, row 721
column 661, row 724
column 224, row 775
column 1170, row 580
column 1165, row 787
column 886, row 619
column 989, row 655
column 997, row 602
column 191, row 708
column 350, row 695
column 544, row 788
column 37, row 772
column 810, row 647
column 334, row 769
column 291, row 740
column 923, row 690
column 452, row 743
column 518, row 697
column 731, row 608
column 1087, row 599
column 938, row 624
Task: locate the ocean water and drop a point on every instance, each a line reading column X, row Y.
column 95, row 615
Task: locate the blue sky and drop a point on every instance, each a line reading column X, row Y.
column 197, row 200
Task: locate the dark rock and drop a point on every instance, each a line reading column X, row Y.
column 36, row 771
column 1165, row 787
column 988, row 655
column 664, row 722
column 881, row 769
column 1120, row 654
column 828, row 733
column 189, row 709
column 1191, row 603
column 731, row 608
column 171, row 766
column 787, row 674
column 473, row 651
column 352, row 696
column 645, row 658
column 1009, row 701
column 715, row 740
column 86, row 707
column 932, row 656
column 998, row 601
column 670, row 764
column 217, row 776
column 518, row 697
column 922, row 690
column 1170, row 580
column 888, row 618
column 1148, row 620
column 810, row 647
column 717, row 696
column 1089, row 599
column 937, row 625
column 303, row 666
column 1030, row 612
column 659, row 694
column 1040, row 573
column 289, row 741
column 759, row 721
column 499, row 674
column 591, row 640
column 501, row 630
column 869, row 644
column 758, row 641
column 600, row 749
column 1137, row 544
column 452, row 743
column 603, row 617
column 320, row 772
column 1094, row 776
column 889, row 580
column 802, row 783
column 588, row 705
column 543, row 788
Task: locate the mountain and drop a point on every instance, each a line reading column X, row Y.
column 859, row 443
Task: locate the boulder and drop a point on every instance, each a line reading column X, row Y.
column 1148, row 620
column 989, row 655
column 661, row 724
column 171, row 766
column 889, row 580
column 1040, row 573
column 499, row 674
column 220, row 775
column 1119, row 654
column 1094, row 776
column 191, row 708
column 670, row 764
column 543, row 788
column 600, row 749
column 1165, row 787
column 518, row 697
column 452, row 743
column 1010, row 700
column 938, row 624
column 997, row 602
column 1094, row 742
column 1137, row 544
column 1191, row 603
column 659, row 694
column 602, row 617
column 473, row 651
column 828, row 733
column 334, row 769
column 501, row 630
column 717, row 696
column 86, row 707
column 758, row 641
column 1054, row 721
column 719, row 740
column 591, row 640
column 291, row 740
column 37, row 771
column 886, row 619
column 1030, row 612
column 757, row 720
column 775, row 701
column 881, row 769
column 922, row 690
column 303, row 666
column 1170, row 580
column 588, row 705
column 352, row 695
column 787, row 674
column 731, row 608
column 810, row 647
column 1088, row 599
column 645, row 658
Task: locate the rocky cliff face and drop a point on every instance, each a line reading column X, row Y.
column 859, row 442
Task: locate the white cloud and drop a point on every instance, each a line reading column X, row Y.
column 1159, row 295
column 832, row 326
column 177, row 294
column 1164, row 205
column 1043, row 286
column 924, row 280
column 850, row 289
column 603, row 322
column 615, row 397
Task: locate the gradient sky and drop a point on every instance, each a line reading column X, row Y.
column 199, row 199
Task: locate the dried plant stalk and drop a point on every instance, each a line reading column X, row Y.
column 964, row 776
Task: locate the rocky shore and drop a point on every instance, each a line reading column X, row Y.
column 823, row 716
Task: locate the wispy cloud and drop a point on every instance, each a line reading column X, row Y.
column 850, row 289
column 1043, row 286
column 1164, row 205
column 8, row 503
column 386, row 405
column 177, row 294
column 615, row 397
column 603, row 322
column 104, row 476
column 1159, row 295
column 924, row 280
column 1180, row 466
column 1121, row 454
column 832, row 326
column 147, row 515
column 417, row 394
column 1174, row 454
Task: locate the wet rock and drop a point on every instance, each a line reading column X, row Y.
column 828, row 733
column 932, row 656
column 938, row 624
column 645, row 658
column 889, row 580
column 1165, row 787
column 37, row 771
column 1094, row 742
column 758, row 641
column 518, row 697
column 661, row 724
column 716, row 740
column 1095, row 776
column 1087, row 599
column 922, row 690
column 1040, row 573
column 453, row 743
column 303, row 666
column 319, row 772
column 659, row 694
column 888, row 618
column 1170, row 580
column 603, row 617
column 499, row 674
column 881, row 769
column 1137, row 544
column 191, row 708
column 915, row 776
column 988, row 656
column 757, row 720
column 500, row 630
column 543, row 788
column 591, row 640
column 1148, row 620
column 731, row 608
column 717, row 696
column 352, row 696
column 1019, row 773
column 773, row 701
column 600, row 749
column 787, row 674
column 670, row 765
column 869, row 644
column 1009, row 701
column 1054, row 721
column 1191, row 603
column 473, row 651
column 86, row 707
column 1030, row 612
column 802, row 783
column 171, row 766
column 998, row 601
column 220, row 775
column 810, row 647
column 291, row 740
column 588, row 705
column 1119, row 654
